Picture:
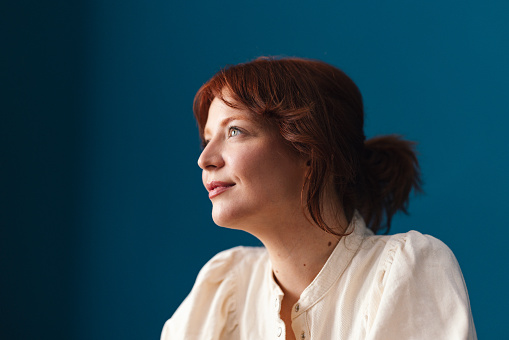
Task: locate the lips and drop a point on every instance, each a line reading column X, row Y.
column 217, row 187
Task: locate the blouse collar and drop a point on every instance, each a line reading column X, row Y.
column 335, row 266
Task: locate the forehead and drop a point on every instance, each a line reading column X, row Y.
column 220, row 114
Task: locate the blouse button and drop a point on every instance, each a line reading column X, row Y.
column 303, row 335
column 276, row 303
column 297, row 307
column 279, row 331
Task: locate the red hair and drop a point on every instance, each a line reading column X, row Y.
column 319, row 112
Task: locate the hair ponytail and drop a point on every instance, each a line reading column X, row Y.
column 391, row 171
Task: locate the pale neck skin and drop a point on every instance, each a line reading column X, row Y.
column 298, row 251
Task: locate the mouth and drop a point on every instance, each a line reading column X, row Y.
column 216, row 188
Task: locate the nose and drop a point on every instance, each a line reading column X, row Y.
column 211, row 157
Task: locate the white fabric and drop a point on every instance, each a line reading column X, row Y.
column 405, row 286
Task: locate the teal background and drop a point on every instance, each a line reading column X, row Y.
column 104, row 221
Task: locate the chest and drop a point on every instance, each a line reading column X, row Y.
column 332, row 317
column 286, row 316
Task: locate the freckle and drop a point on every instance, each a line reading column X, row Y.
column 277, row 271
column 330, row 244
column 304, row 264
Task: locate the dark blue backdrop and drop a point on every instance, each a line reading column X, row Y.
column 104, row 221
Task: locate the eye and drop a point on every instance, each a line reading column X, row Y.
column 204, row 143
column 233, row 131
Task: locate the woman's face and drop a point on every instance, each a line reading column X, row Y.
column 253, row 178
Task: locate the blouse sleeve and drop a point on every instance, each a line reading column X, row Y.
column 421, row 293
column 206, row 313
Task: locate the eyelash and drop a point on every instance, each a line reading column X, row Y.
column 233, row 128
column 230, row 129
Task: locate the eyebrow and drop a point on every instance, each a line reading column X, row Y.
column 226, row 121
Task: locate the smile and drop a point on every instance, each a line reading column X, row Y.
column 216, row 188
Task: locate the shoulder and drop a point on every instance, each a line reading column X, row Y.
column 418, row 282
column 414, row 240
column 413, row 257
column 411, row 247
column 229, row 262
column 414, row 247
column 210, row 309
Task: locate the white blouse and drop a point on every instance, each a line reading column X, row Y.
column 405, row 286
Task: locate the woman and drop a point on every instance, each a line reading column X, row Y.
column 285, row 159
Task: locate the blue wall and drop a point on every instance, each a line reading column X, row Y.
column 104, row 221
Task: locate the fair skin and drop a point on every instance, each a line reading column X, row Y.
column 255, row 183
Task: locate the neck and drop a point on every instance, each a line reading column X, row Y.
column 298, row 251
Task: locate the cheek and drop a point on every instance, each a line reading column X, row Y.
column 248, row 167
column 252, row 167
column 270, row 169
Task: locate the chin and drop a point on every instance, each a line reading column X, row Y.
column 228, row 219
column 227, row 224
